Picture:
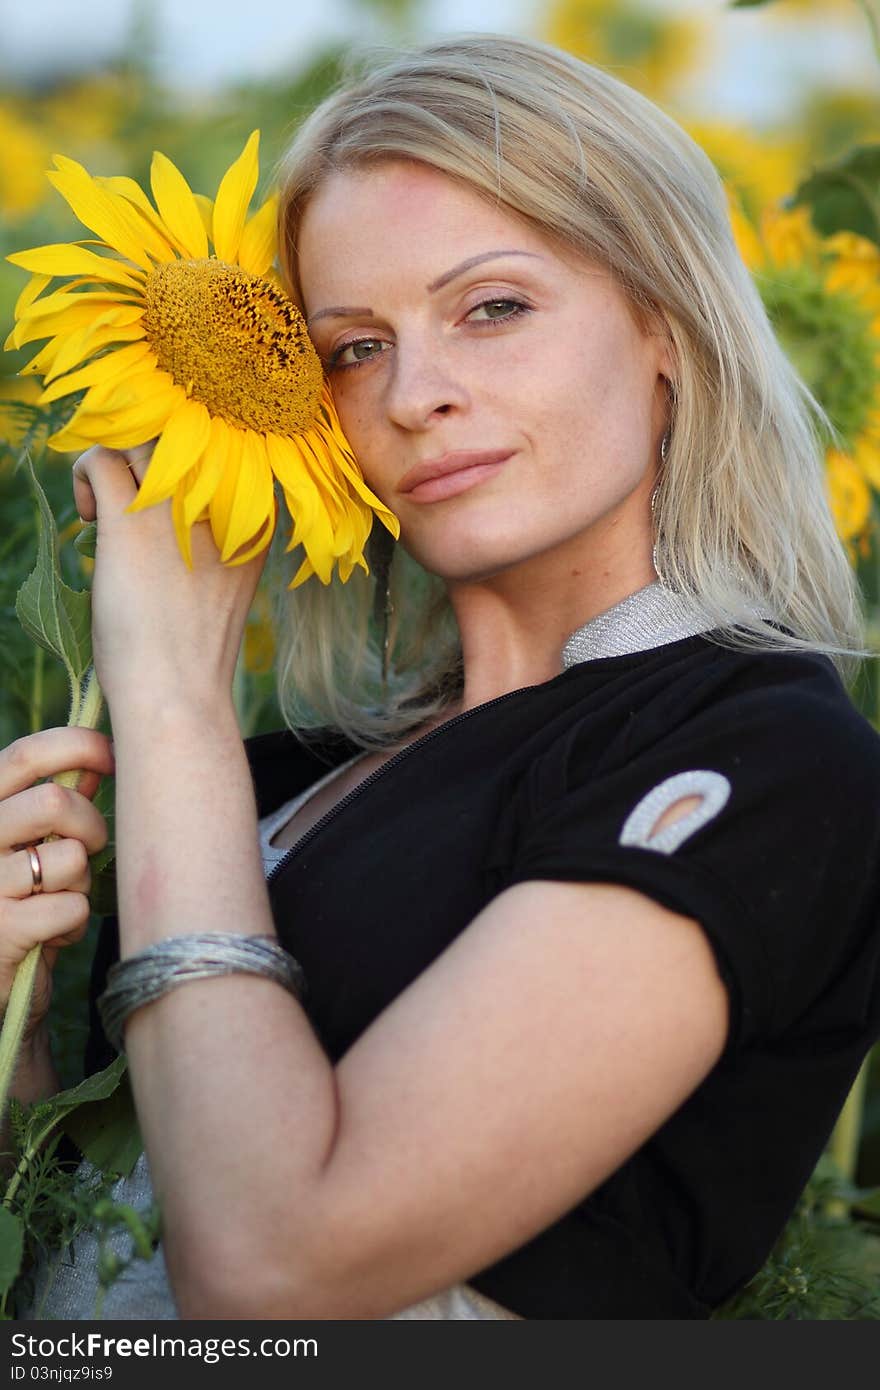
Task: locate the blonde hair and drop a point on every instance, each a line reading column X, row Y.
column 742, row 520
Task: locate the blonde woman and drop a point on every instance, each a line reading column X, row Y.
column 584, row 891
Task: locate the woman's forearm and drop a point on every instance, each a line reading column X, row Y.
column 227, row 1073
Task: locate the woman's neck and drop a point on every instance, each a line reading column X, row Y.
column 513, row 636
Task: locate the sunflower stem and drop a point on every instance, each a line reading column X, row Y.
column 86, row 709
column 843, row 1146
column 36, row 711
column 873, row 23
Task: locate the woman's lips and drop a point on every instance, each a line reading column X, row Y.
column 453, row 473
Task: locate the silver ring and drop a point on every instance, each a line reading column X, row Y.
column 36, row 868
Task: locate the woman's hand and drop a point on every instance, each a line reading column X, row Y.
column 160, row 631
column 31, row 809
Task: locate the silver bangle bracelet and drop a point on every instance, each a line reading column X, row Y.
column 142, row 978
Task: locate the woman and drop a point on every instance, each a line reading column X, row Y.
column 587, row 910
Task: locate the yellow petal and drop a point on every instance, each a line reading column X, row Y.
column 92, row 334
column 177, row 207
column 264, row 538
column 64, row 259
column 179, row 449
column 300, row 492
column 259, row 239
column 124, row 430
column 141, row 216
column 233, row 196
column 253, row 500
column 125, row 392
column 342, row 461
column 220, row 509
column 64, row 297
column 32, row 290
column 98, row 210
column 105, row 368
column 74, row 316
column 206, row 212
column 305, row 571
column 43, row 359
column 129, row 189
column 208, row 473
column 315, row 530
column 181, row 530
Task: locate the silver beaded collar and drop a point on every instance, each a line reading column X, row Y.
column 651, row 617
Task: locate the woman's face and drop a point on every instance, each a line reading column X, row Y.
column 497, row 392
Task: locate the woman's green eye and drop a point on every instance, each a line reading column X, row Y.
column 357, row 356
column 367, row 343
column 499, row 310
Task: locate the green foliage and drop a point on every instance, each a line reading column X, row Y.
column 52, row 614
column 46, row 1202
column 845, row 195
column 106, row 1131
column 824, row 1266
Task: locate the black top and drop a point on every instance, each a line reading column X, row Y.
column 783, row 877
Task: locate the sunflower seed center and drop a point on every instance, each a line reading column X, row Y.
column 234, row 342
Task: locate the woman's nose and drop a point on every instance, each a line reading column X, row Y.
column 423, row 384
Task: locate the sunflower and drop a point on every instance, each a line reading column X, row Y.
column 653, row 51
column 22, row 152
column 759, row 168
column 183, row 334
column 822, row 295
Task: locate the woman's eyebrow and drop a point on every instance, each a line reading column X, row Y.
column 470, row 263
column 354, row 311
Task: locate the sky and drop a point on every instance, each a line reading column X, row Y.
column 204, row 43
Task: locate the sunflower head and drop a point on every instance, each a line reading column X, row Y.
column 822, row 295
column 177, row 330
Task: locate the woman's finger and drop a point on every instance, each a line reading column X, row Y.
column 40, row 921
column 102, row 479
column 50, row 752
column 138, row 460
column 29, row 816
column 60, row 864
column 100, row 468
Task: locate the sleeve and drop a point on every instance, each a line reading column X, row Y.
column 778, row 861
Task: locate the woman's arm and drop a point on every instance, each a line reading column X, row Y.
column 535, row 1055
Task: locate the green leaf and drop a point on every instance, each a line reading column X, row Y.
column 51, row 613
column 845, row 197
column 54, row 1109
column 747, row 4
column 86, row 541
column 106, row 1131
column 11, row 1248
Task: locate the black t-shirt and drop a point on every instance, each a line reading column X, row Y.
column 783, row 874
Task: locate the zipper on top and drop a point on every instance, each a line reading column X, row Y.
column 379, row 772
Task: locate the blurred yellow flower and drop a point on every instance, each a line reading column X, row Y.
column 650, row 50
column 822, row 295
column 23, row 154
column 849, row 496
column 759, row 168
column 201, row 351
column 88, row 110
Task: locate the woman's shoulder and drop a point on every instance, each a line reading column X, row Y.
column 795, row 696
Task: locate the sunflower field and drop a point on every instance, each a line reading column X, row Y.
column 804, row 195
